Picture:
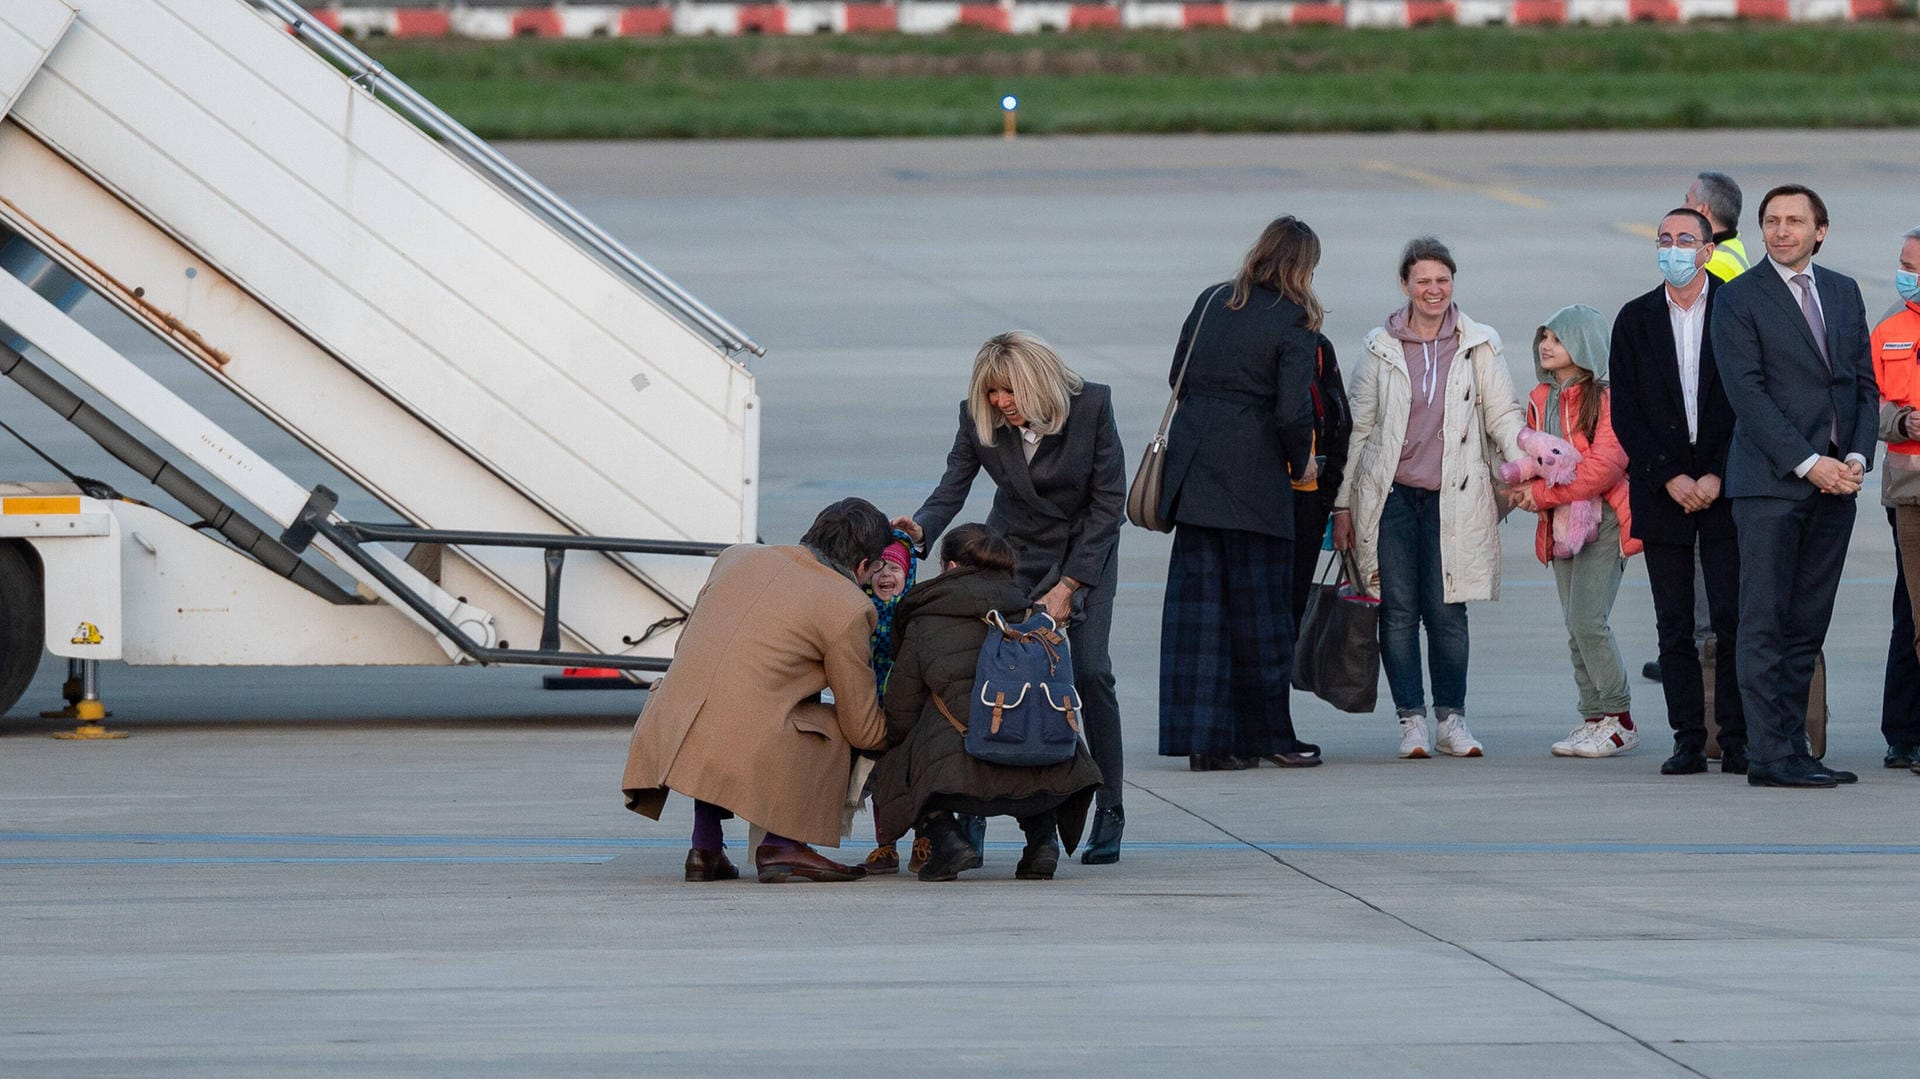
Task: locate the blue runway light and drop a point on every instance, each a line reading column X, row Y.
column 1009, row 103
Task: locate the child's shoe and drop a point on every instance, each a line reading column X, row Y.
column 1569, row 746
column 1455, row 740
column 1415, row 744
column 922, row 850
column 1616, row 735
column 883, row 859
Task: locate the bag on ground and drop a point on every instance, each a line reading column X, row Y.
column 1336, row 654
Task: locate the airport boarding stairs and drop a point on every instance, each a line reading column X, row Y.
column 321, row 241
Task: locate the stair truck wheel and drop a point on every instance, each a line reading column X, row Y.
column 22, row 634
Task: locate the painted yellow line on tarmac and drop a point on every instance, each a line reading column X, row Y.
column 1448, row 183
column 1645, row 232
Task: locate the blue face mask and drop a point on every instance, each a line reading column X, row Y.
column 1676, row 265
column 1907, row 285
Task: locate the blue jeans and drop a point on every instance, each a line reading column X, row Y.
column 1412, row 588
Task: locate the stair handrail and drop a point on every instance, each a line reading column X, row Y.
column 371, row 75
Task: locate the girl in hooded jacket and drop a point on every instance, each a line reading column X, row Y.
column 1571, row 402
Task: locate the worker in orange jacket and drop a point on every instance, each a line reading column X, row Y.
column 1896, row 367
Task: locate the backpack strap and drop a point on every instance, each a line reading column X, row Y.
column 957, row 725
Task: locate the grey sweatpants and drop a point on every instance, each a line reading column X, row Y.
column 1588, row 583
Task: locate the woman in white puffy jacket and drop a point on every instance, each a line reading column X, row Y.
column 1433, row 411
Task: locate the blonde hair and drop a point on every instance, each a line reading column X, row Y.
column 1282, row 259
column 1040, row 381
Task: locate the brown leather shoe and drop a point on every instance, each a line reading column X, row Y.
column 705, row 865
column 778, row 865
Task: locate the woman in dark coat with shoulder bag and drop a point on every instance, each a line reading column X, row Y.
column 1048, row 440
column 1243, row 435
column 927, row 775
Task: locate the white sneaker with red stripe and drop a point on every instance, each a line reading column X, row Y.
column 1613, row 737
column 1575, row 738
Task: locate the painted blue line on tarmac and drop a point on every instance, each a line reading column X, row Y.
column 271, row 839
column 271, row 859
column 1592, row 848
column 302, row 839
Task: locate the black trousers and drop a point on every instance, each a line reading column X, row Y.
column 1670, row 573
column 1088, row 632
column 1791, row 554
column 1900, row 697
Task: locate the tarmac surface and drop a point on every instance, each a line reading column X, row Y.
column 381, row 872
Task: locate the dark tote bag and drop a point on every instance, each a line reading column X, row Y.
column 1336, row 655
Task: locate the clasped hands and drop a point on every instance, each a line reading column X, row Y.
column 1694, row 494
column 1836, row 477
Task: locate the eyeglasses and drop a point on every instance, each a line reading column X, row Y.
column 1686, row 241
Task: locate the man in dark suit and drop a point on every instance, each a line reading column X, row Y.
column 1672, row 416
column 1790, row 339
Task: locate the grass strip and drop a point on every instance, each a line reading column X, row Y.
column 1311, row 79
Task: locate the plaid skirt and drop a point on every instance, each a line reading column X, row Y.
column 1226, row 644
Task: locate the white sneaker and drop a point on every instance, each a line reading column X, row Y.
column 1568, row 746
column 1414, row 742
column 1611, row 738
column 1455, row 739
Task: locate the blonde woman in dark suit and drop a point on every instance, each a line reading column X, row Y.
column 1048, row 440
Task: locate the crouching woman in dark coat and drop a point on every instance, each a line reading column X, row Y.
column 926, row 776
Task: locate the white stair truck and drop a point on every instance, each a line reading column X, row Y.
column 315, row 237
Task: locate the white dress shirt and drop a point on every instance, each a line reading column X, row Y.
column 1029, row 442
column 1689, row 326
column 1813, row 287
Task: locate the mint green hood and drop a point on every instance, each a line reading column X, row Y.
column 1585, row 332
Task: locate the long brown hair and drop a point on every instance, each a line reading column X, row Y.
column 1282, row 259
column 1591, row 394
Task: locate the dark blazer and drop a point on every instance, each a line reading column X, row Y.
column 1650, row 418
column 1782, row 394
column 1062, row 511
column 1245, row 423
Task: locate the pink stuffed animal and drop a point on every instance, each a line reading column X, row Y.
column 1554, row 460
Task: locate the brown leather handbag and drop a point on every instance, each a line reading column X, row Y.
column 1143, row 498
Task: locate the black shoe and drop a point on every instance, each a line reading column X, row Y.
column 1651, row 672
column 1208, row 762
column 951, row 854
column 1790, row 772
column 1103, row 846
column 1840, row 775
column 1684, row 762
column 1042, row 855
column 1733, row 760
column 1302, row 755
column 1901, row 755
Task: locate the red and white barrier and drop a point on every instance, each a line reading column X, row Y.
column 697, row 17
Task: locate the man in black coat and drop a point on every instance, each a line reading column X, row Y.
column 1790, row 339
column 1672, row 417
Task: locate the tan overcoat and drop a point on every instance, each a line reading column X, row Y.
column 734, row 722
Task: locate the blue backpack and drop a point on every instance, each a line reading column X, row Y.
column 1024, row 710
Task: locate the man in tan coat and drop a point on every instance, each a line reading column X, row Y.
column 736, row 723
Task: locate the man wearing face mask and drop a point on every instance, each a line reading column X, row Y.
column 1671, row 414
column 1896, row 355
